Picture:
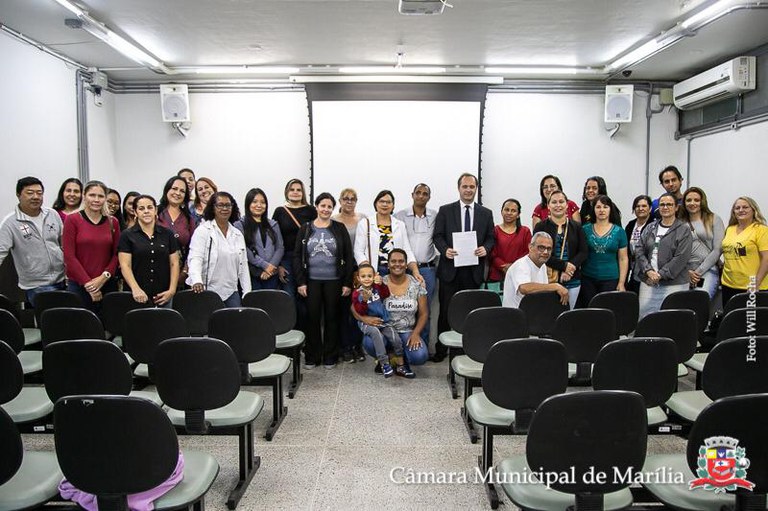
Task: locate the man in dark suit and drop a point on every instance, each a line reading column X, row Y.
column 460, row 216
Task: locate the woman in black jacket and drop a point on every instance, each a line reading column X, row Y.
column 323, row 263
column 564, row 264
column 641, row 207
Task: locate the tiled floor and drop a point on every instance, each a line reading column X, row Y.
column 345, row 433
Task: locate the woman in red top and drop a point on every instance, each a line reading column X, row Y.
column 512, row 239
column 90, row 247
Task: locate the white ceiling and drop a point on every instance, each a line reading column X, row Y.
column 369, row 32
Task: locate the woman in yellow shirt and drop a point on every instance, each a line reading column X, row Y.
column 745, row 249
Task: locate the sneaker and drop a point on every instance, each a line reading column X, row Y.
column 348, row 357
column 330, row 366
column 359, row 353
column 309, row 366
column 387, row 370
column 377, row 368
column 405, row 372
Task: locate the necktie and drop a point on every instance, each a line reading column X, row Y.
column 467, row 222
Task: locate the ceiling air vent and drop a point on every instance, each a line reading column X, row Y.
column 421, row 7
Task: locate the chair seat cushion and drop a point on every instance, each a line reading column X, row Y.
column 142, row 371
column 273, row 365
column 244, row 409
column 200, row 470
column 149, row 395
column 656, row 415
column 289, row 339
column 118, row 340
column 679, row 496
column 31, row 404
column 31, row 361
column 32, row 336
column 486, row 413
column 536, row 495
column 451, row 339
column 696, row 362
column 688, row 404
column 467, row 368
column 36, row 482
column 681, row 370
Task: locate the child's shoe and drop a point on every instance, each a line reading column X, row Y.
column 387, row 370
column 405, row 371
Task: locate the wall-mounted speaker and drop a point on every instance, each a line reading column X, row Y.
column 174, row 101
column 618, row 103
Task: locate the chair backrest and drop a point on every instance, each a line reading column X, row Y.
column 680, row 325
column 10, row 446
column 736, row 367
column 114, row 307
column 85, row 367
column 11, row 374
column 145, row 329
column 196, row 308
column 114, row 445
column 519, row 374
column 194, row 374
column 278, row 304
column 11, row 331
column 646, row 365
column 10, row 306
column 68, row 324
column 604, row 430
column 744, row 321
column 486, row 326
column 740, row 300
column 696, row 300
column 741, row 418
column 248, row 331
column 464, row 302
column 584, row 332
column 50, row 299
column 542, row 309
column 625, row 306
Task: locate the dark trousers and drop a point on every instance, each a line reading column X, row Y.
column 351, row 336
column 729, row 292
column 463, row 280
column 591, row 287
column 109, row 287
column 323, row 303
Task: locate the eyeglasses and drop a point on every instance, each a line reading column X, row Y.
column 349, row 199
column 384, row 202
column 113, row 202
column 666, row 205
column 543, row 248
column 223, row 205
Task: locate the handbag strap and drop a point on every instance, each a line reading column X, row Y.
column 368, row 237
column 287, row 210
column 565, row 239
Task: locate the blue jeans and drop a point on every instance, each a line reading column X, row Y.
column 711, row 282
column 233, row 300
column 270, row 283
column 32, row 293
column 651, row 297
column 109, row 287
column 413, row 357
column 430, row 279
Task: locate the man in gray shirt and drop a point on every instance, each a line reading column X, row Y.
column 420, row 223
column 32, row 234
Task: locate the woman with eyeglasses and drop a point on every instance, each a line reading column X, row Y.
column 351, row 337
column 323, row 262
column 745, row 249
column 607, row 263
column 217, row 259
column 263, row 239
column 377, row 236
column 661, row 260
column 641, row 207
column 113, row 206
column 149, row 256
column 549, row 184
column 707, row 230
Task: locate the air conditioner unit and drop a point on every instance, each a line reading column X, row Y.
column 724, row 81
column 421, row 7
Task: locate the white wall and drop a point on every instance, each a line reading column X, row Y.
column 38, row 124
column 527, row 136
column 240, row 140
column 731, row 164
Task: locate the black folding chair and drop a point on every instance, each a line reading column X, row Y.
column 625, row 306
column 28, row 406
column 114, row 307
column 196, row 309
column 145, row 329
column 68, row 324
column 696, row 300
column 54, row 299
column 680, row 325
column 114, row 446
column 12, row 333
column 584, row 332
column 31, row 335
column 280, row 307
column 600, row 432
column 199, row 380
column 542, row 309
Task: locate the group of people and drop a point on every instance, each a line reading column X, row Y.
column 366, row 284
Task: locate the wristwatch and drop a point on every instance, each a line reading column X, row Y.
column 106, row 275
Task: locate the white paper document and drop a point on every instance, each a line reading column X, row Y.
column 465, row 244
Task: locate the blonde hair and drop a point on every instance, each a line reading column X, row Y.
column 345, row 191
column 758, row 216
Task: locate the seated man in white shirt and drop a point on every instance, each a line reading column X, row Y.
column 529, row 274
